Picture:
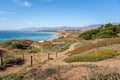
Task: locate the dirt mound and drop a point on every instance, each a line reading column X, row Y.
column 60, row 72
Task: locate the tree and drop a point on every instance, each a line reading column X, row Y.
column 108, row 25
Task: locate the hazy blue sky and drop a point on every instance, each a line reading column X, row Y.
column 16, row 14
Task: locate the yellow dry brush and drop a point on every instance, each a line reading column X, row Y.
column 94, row 56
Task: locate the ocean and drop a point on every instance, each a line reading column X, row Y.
column 24, row 35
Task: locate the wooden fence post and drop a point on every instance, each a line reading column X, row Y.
column 48, row 56
column 31, row 61
column 1, row 61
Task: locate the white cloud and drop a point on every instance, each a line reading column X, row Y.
column 7, row 12
column 27, row 4
column 23, row 3
column 27, row 21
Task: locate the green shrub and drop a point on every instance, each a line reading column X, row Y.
column 17, row 44
column 10, row 60
column 94, row 56
column 56, row 47
column 89, row 34
column 12, row 76
column 33, row 50
column 2, row 68
column 20, row 46
column 107, row 31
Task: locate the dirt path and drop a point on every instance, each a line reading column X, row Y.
column 43, row 58
column 112, row 63
column 60, row 57
column 37, row 59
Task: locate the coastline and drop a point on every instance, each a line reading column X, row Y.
column 39, row 38
column 55, row 36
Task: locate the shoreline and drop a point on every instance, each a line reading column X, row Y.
column 52, row 36
column 55, row 36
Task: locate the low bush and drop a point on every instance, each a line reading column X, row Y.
column 10, row 60
column 56, row 47
column 94, row 56
column 101, row 43
column 12, row 76
column 2, row 68
column 33, row 50
column 17, row 44
column 105, row 31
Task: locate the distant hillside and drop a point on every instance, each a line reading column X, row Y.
column 65, row 28
column 33, row 29
column 89, row 27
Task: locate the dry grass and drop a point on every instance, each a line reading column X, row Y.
column 60, row 72
column 94, row 56
column 104, row 73
column 101, row 43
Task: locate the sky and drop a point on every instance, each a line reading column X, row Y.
column 18, row 14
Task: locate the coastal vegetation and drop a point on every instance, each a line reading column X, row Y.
column 17, row 44
column 105, row 76
column 94, row 56
column 55, row 47
column 105, row 31
column 21, row 46
column 97, row 49
column 95, row 44
column 11, row 76
column 10, row 60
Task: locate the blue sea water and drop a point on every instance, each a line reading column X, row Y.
column 23, row 35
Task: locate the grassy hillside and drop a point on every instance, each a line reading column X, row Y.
column 96, row 44
column 94, row 56
column 105, row 31
column 17, row 44
column 55, row 47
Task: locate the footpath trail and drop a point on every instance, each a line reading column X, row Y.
column 113, row 63
column 43, row 58
column 83, row 68
column 60, row 57
column 37, row 59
